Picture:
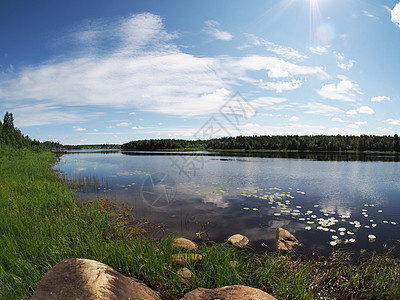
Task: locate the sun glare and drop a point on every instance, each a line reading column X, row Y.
column 315, row 18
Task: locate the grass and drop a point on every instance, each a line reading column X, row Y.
column 41, row 223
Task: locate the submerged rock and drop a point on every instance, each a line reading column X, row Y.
column 238, row 240
column 81, row 279
column 186, row 259
column 232, row 292
column 285, row 240
column 185, row 244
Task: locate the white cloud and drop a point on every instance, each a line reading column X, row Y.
column 284, row 52
column 95, row 130
column 368, row 14
column 276, row 67
column 294, row 119
column 396, row 14
column 141, row 70
column 77, row 128
column 361, row 123
column 392, row 121
column 132, row 113
column 353, row 126
column 366, row 110
column 268, row 101
column 124, row 124
column 216, row 33
column 336, row 119
column 319, row 50
column 362, row 110
column 389, row 129
column 345, row 90
column 38, row 114
column 345, row 65
column 280, row 86
column 321, row 109
column 380, row 98
column 138, row 127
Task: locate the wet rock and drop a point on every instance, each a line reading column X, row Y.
column 186, row 258
column 228, row 293
column 81, row 279
column 238, row 240
column 285, row 240
column 185, row 244
column 184, row 275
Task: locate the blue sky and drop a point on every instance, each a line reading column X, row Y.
column 83, row 72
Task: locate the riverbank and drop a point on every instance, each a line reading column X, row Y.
column 41, row 223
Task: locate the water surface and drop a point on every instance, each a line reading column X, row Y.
column 321, row 200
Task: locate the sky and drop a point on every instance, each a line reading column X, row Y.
column 93, row 72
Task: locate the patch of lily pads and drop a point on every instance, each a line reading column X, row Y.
column 281, row 205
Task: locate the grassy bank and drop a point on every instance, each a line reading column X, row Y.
column 41, row 224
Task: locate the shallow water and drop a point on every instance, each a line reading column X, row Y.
column 350, row 198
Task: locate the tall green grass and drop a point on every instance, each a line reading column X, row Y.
column 41, row 223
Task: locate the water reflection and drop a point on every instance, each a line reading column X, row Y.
column 313, row 199
column 318, row 156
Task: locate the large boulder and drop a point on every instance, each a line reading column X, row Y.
column 83, row 279
column 233, row 292
column 238, row 240
column 285, row 240
column 185, row 244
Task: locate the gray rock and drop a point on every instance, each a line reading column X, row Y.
column 82, row 279
column 238, row 240
column 285, row 240
column 184, row 275
column 185, row 244
column 233, row 292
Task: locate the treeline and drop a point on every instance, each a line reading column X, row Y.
column 283, row 143
column 95, row 146
column 12, row 138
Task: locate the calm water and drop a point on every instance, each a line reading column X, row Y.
column 342, row 199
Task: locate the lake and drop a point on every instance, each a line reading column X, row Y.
column 327, row 201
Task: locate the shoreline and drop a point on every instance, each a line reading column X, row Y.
column 34, row 202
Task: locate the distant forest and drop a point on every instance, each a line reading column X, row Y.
column 12, row 138
column 282, row 143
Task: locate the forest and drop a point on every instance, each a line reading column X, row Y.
column 313, row 143
column 12, row 138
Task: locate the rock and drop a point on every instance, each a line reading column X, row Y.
column 81, row 279
column 238, row 240
column 185, row 259
column 185, row 244
column 285, row 240
column 228, row 293
column 184, row 274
